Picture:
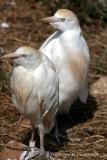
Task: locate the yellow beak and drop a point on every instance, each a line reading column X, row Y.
column 51, row 19
column 11, row 55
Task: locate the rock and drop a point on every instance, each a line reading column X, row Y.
column 5, row 25
column 12, row 151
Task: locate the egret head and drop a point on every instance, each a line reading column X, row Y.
column 63, row 20
column 24, row 55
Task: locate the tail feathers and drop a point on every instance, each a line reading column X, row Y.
column 83, row 94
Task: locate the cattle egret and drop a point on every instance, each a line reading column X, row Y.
column 68, row 51
column 34, row 85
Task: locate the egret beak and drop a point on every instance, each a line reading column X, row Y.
column 11, row 55
column 51, row 19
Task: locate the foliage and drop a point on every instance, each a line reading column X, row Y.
column 87, row 10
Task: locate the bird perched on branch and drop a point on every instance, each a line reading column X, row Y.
column 68, row 51
column 34, row 85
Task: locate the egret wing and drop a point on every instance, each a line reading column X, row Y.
column 47, row 81
column 21, row 83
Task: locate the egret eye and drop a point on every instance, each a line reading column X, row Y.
column 62, row 19
column 24, row 55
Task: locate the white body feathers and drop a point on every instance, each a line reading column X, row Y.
column 69, row 53
column 35, row 90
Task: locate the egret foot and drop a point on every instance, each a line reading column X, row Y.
column 30, row 154
column 57, row 136
column 42, row 156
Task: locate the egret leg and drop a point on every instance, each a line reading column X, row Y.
column 32, row 136
column 32, row 151
column 41, row 130
column 57, row 135
column 43, row 155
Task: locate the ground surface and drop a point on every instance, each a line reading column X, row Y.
column 87, row 128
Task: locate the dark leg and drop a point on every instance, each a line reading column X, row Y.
column 57, row 134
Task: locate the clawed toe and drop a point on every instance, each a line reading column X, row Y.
column 29, row 154
column 42, row 156
column 35, row 154
column 58, row 137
